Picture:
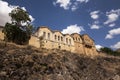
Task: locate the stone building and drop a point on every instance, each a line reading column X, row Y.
column 52, row 40
column 82, row 44
column 49, row 39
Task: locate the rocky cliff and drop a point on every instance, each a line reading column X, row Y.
column 29, row 63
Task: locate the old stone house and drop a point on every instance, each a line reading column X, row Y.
column 51, row 39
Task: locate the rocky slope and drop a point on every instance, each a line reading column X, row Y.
column 29, row 63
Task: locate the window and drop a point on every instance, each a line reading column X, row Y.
column 48, row 35
column 66, row 40
column 44, row 35
column 58, row 38
column 55, row 37
column 76, row 38
column 79, row 39
column 70, row 41
column 73, row 39
column 61, row 38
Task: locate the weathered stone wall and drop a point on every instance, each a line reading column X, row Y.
column 78, row 43
column 1, row 34
column 89, row 45
column 34, row 41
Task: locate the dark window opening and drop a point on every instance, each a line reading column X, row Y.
column 59, row 47
column 58, row 38
column 55, row 37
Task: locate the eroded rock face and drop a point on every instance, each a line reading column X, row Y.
column 27, row 63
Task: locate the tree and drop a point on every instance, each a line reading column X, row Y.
column 15, row 31
column 109, row 51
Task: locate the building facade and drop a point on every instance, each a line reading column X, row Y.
column 49, row 39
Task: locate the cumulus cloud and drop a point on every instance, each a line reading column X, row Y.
column 112, row 16
column 116, row 46
column 112, row 33
column 73, row 29
column 81, row 1
column 5, row 9
column 69, row 4
column 63, row 3
column 94, row 14
column 94, row 26
column 112, row 25
column 98, row 47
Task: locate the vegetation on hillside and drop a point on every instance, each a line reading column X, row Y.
column 110, row 51
column 17, row 32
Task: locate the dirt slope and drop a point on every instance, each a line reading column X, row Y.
column 27, row 63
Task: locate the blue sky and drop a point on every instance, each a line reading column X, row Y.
column 98, row 18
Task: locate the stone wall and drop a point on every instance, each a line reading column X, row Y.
column 1, row 34
column 89, row 45
column 78, row 43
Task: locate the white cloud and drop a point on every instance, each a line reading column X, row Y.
column 98, row 47
column 94, row 14
column 81, row 1
column 94, row 26
column 74, row 7
column 31, row 18
column 69, row 4
column 112, row 16
column 112, row 25
column 116, row 46
column 63, row 3
column 5, row 9
column 72, row 29
column 112, row 33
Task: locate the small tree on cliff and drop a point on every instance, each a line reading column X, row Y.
column 15, row 31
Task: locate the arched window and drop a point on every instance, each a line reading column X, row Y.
column 58, row 38
column 67, row 40
column 76, row 38
column 70, row 41
column 49, row 36
column 73, row 39
column 61, row 38
column 79, row 39
column 44, row 35
column 55, row 37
